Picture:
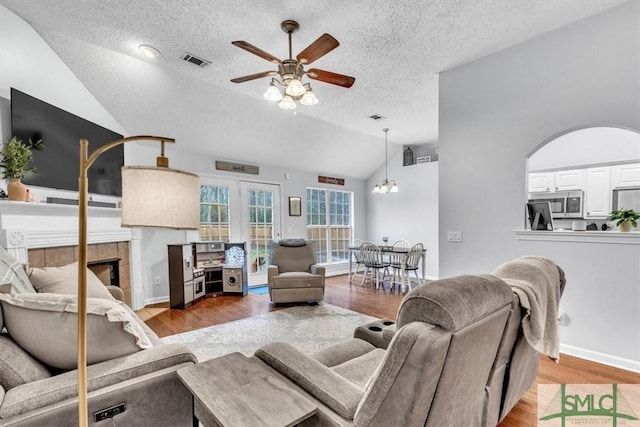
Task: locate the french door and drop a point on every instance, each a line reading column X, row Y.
column 260, row 213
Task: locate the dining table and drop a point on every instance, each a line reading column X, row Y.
column 390, row 252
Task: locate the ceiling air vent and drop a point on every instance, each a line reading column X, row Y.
column 195, row 60
column 377, row 117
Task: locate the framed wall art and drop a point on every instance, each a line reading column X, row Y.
column 295, row 206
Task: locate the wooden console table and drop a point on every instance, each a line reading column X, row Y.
column 234, row 390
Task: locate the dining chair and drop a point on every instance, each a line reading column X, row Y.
column 397, row 259
column 411, row 263
column 357, row 258
column 375, row 267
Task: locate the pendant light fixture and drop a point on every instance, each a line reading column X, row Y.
column 386, row 186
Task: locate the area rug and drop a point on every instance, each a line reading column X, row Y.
column 309, row 328
column 259, row 290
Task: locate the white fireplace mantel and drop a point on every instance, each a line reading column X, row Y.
column 28, row 225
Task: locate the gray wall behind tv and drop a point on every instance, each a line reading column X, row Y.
column 494, row 112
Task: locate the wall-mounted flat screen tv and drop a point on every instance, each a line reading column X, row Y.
column 58, row 163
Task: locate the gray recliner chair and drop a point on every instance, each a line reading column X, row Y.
column 455, row 358
column 293, row 275
column 434, row 371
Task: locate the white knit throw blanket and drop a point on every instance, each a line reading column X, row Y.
column 536, row 282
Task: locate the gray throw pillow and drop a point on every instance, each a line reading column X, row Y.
column 45, row 325
column 17, row 366
column 293, row 243
column 64, row 280
column 12, row 271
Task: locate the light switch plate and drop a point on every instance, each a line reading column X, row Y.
column 454, row 236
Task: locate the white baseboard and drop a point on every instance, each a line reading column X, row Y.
column 336, row 269
column 156, row 300
column 607, row 359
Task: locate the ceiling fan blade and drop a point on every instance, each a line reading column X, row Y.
column 256, row 51
column 323, row 45
column 329, row 77
column 253, row 76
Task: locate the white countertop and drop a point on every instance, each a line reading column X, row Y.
column 596, row 236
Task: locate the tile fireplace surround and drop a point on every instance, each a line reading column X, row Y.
column 43, row 234
column 99, row 256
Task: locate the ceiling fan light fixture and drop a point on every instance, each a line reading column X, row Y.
column 295, row 87
column 287, row 103
column 272, row 93
column 290, row 72
column 309, row 98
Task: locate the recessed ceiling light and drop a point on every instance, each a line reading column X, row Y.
column 150, row 51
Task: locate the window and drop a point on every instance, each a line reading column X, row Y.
column 214, row 213
column 329, row 224
column 260, row 228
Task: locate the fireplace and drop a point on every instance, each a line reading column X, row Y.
column 46, row 235
column 108, row 261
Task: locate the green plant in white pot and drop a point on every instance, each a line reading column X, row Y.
column 625, row 219
column 16, row 156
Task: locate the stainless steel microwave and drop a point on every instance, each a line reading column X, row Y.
column 564, row 204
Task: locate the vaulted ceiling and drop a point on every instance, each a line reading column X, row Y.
column 394, row 49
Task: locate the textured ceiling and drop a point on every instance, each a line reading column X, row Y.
column 395, row 49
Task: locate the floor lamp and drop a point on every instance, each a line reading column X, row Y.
column 155, row 197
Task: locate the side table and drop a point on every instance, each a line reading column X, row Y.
column 233, row 390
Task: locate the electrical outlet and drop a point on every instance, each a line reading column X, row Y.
column 563, row 319
column 454, row 236
column 156, row 281
column 109, row 412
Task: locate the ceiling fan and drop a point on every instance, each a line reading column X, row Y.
column 292, row 70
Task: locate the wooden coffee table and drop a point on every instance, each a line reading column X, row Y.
column 234, row 390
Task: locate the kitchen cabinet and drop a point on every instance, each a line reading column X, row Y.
column 597, row 195
column 565, row 180
column 625, row 175
column 569, row 180
column 541, row 181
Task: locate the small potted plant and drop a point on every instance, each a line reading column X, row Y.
column 625, row 219
column 16, row 156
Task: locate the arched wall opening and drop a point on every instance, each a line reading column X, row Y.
column 592, row 163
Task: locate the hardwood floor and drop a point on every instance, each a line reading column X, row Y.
column 211, row 311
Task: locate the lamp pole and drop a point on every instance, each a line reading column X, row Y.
column 85, row 164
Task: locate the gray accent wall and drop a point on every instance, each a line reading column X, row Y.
column 496, row 111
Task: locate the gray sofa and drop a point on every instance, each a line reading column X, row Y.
column 456, row 356
column 34, row 393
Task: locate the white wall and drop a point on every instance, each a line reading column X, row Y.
column 46, row 77
column 588, row 146
column 496, row 111
column 155, row 241
column 411, row 213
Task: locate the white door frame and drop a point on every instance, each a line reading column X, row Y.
column 258, row 278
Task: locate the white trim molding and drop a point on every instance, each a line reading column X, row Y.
column 28, row 225
column 43, row 225
column 607, row 359
column 612, row 237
